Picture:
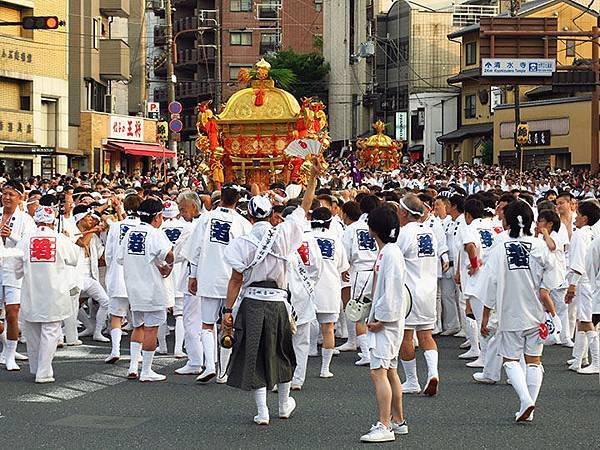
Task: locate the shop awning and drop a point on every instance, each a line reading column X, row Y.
column 416, row 148
column 466, row 131
column 139, row 149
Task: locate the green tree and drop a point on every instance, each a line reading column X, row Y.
column 310, row 70
column 487, row 153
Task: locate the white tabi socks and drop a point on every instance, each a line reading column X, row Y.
column 433, row 377
column 411, row 385
column 579, row 351
column 101, row 316
column 208, row 343
column 147, row 374
column 594, row 346
column 260, row 397
column 135, row 350
column 115, row 342
column 535, row 376
column 286, row 403
column 162, row 339
column 327, row 354
column 11, row 349
column 365, row 358
column 473, row 336
column 179, row 337
column 514, row 371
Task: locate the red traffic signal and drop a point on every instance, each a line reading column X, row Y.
column 40, row 23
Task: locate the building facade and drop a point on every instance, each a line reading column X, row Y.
column 34, row 91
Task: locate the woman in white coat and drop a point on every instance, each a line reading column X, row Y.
column 385, row 327
column 45, row 295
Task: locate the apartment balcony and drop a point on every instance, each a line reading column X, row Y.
column 114, row 59
column 195, row 56
column 205, row 18
column 186, row 90
column 114, row 8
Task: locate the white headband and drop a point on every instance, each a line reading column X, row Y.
column 406, row 208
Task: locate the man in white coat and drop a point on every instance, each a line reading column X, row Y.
column 147, row 258
column 14, row 224
column 46, row 300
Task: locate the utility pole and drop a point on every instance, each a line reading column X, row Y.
column 218, row 75
column 594, row 161
column 170, row 67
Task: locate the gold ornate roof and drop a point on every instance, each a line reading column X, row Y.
column 379, row 139
column 279, row 106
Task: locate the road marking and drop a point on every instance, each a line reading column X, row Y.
column 84, row 385
column 62, row 393
column 36, row 398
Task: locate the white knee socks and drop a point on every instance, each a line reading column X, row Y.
column 410, row 371
column 260, row 397
column 179, row 335
column 431, row 357
column 327, row 354
column 363, row 342
column 135, row 350
column 115, row 341
column 147, row 358
column 514, row 371
column 535, row 375
column 208, row 342
column 162, row 339
column 594, row 346
column 283, row 391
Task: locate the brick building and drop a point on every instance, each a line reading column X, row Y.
column 34, row 92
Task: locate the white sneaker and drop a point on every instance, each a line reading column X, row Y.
column 524, row 413
column 431, row 388
column 75, row 343
column 451, row 332
column 363, row 362
column 86, row 333
column 313, row 354
column 296, row 387
column 162, row 351
column 180, row 355
column 347, row 347
column 568, row 343
column 378, row 433
column 411, row 387
column 12, row 366
column 479, row 378
column 111, row 359
column 399, row 428
column 100, row 338
column 21, row 357
column 260, row 420
column 288, row 409
column 473, row 353
column 206, row 376
column 151, row 376
column 336, row 352
column 222, row 379
column 45, row 380
column 326, row 375
column 466, row 344
column 589, row 370
column 478, row 363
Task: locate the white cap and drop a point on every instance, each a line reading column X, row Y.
column 293, row 190
column 260, row 207
column 44, row 214
column 171, row 210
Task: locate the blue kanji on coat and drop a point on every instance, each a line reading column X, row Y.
column 365, row 241
column 123, row 229
column 425, row 245
column 173, row 234
column 136, row 244
column 517, row 255
column 486, row 237
column 327, row 247
column 219, row 231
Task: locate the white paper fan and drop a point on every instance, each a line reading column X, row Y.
column 301, row 148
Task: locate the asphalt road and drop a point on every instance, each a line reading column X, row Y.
column 92, row 406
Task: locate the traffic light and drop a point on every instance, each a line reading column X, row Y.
column 40, row 23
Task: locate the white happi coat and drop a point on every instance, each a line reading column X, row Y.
column 328, row 291
column 388, row 303
column 581, row 240
column 436, row 226
column 115, row 282
column 142, row 249
column 177, row 231
column 361, row 251
column 453, row 231
column 419, row 248
column 45, row 295
column 305, row 267
column 20, row 224
column 206, row 248
column 592, row 268
column 483, row 234
column 520, row 268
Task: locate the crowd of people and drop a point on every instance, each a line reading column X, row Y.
column 254, row 282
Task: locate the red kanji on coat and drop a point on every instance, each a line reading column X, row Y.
column 42, row 249
column 304, row 253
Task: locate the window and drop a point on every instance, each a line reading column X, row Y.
column 318, row 5
column 470, row 106
column 269, row 42
column 95, row 96
column 570, row 48
column 240, row 37
column 240, row 5
column 96, row 33
column 470, row 53
column 235, row 70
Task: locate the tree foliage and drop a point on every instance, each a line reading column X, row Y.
column 310, row 70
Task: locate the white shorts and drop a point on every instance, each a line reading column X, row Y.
column 118, row 306
column 11, row 295
column 379, row 363
column 583, row 302
column 514, row 344
column 210, row 308
column 149, row 318
column 424, row 327
column 178, row 308
column 327, row 317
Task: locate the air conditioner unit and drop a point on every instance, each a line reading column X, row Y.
column 366, row 49
column 109, row 103
column 155, row 5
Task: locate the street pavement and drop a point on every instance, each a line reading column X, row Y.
column 93, row 406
